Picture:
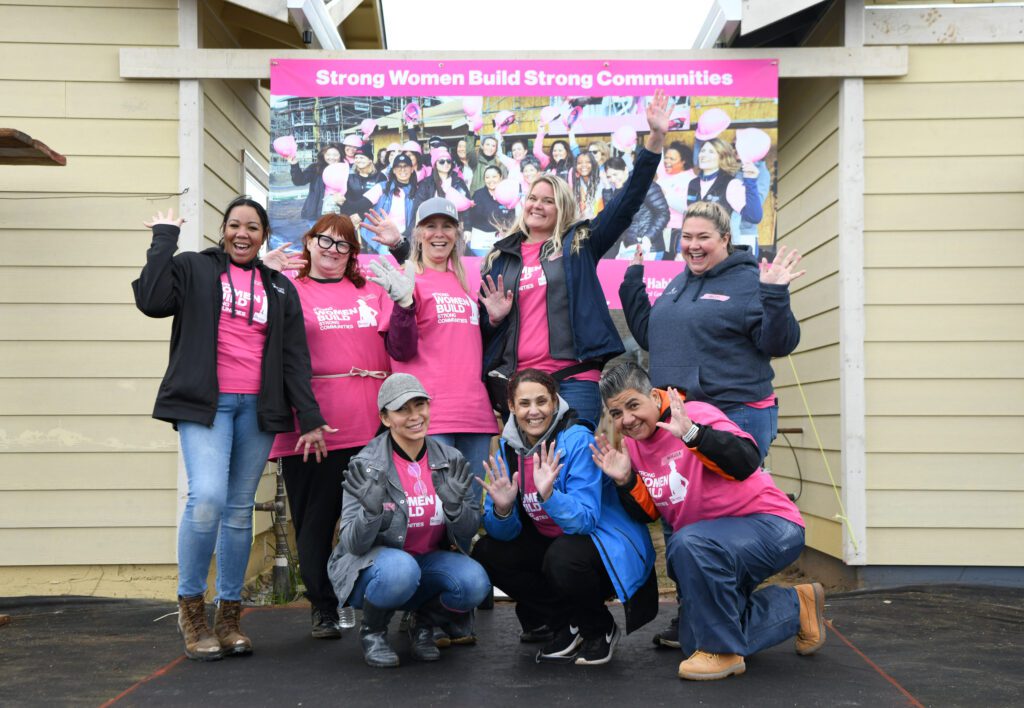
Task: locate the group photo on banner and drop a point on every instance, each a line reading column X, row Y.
column 374, row 140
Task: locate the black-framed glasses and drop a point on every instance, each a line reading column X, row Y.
column 442, row 162
column 325, row 242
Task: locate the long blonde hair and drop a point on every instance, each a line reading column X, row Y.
column 454, row 259
column 567, row 213
column 728, row 161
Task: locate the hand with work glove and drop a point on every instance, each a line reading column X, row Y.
column 366, row 488
column 396, row 284
column 451, row 488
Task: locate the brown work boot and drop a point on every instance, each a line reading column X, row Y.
column 812, row 623
column 225, row 626
column 702, row 666
column 200, row 644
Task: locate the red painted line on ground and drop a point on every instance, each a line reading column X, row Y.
column 156, row 674
column 881, row 672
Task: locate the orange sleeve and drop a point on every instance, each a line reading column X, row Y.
column 642, row 497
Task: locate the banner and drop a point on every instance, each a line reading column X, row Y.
column 479, row 132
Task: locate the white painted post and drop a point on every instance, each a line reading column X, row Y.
column 851, row 299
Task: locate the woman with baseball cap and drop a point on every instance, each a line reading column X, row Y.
column 408, row 519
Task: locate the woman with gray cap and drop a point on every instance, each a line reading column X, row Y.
column 407, row 522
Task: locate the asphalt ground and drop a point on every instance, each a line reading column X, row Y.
column 916, row 646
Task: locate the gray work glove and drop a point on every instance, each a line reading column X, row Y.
column 369, row 491
column 451, row 488
column 396, row 284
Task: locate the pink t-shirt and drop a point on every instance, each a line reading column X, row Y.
column 343, row 333
column 239, row 344
column 534, row 348
column 426, row 515
column 685, row 491
column 766, row 402
column 544, row 523
column 449, row 358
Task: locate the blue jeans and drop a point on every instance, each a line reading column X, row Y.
column 401, row 581
column 584, row 397
column 760, row 423
column 717, row 565
column 475, row 447
column 224, row 463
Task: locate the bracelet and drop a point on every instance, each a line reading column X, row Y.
column 691, row 434
column 503, row 516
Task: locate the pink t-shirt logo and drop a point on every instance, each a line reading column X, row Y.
column 367, row 315
column 532, row 277
column 455, row 309
column 241, row 302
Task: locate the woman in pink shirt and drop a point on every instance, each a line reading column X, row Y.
column 731, row 527
column 344, row 317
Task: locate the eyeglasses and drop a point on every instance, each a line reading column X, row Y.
column 594, row 152
column 442, row 162
column 325, row 242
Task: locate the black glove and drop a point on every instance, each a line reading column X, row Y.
column 452, row 487
column 369, row 491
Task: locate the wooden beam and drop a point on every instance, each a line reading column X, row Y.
column 274, row 9
column 757, row 14
column 340, row 9
column 946, row 24
column 795, row 62
column 17, row 148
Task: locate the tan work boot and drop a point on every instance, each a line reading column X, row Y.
column 812, row 623
column 702, row 666
column 225, row 626
column 200, row 644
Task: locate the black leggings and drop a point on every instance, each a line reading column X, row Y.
column 554, row 581
column 314, row 497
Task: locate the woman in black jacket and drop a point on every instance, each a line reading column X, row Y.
column 238, row 367
column 312, row 175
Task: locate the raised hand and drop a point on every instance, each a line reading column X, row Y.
column 780, row 270
column 281, row 260
column 546, row 469
column 314, row 439
column 367, row 489
column 397, row 284
column 384, row 229
column 638, row 255
column 503, row 490
column 614, row 463
column 452, row 488
column 679, row 423
column 659, row 113
column 161, row 219
column 497, row 301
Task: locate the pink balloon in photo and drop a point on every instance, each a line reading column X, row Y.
column 624, row 138
column 412, row 112
column 736, row 195
column 286, row 147
column 475, row 123
column 473, row 105
column 549, row 113
column 504, row 120
column 572, row 116
column 711, row 123
column 367, row 127
column 336, row 177
column 461, row 202
column 752, row 144
column 507, row 193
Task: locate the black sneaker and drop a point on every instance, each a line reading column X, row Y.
column 563, row 647
column 325, row 624
column 599, row 650
column 668, row 638
column 536, row 635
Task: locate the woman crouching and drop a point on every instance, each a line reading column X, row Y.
column 558, row 540
column 408, row 518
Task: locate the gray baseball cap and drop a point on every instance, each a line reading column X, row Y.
column 399, row 389
column 436, row 206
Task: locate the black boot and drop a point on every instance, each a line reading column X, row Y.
column 373, row 635
column 421, row 638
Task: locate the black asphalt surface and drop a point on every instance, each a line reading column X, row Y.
column 922, row 646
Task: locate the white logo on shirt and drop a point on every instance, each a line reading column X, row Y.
column 367, row 315
column 677, row 484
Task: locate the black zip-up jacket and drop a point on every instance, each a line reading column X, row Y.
column 188, row 287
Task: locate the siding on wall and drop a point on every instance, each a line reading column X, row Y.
column 86, row 476
column 944, row 253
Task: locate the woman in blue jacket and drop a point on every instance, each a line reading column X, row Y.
column 558, row 540
column 545, row 307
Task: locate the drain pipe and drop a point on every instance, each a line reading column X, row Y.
column 279, row 514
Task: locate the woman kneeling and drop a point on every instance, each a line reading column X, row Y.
column 558, row 540
column 408, row 517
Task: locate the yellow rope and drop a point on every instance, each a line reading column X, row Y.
column 821, row 448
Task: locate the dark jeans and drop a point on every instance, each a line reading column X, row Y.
column 314, row 496
column 554, row 581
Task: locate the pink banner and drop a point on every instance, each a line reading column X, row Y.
column 339, row 77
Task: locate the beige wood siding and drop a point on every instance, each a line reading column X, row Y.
column 87, row 478
column 944, row 254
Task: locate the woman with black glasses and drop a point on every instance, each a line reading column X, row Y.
column 343, row 315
